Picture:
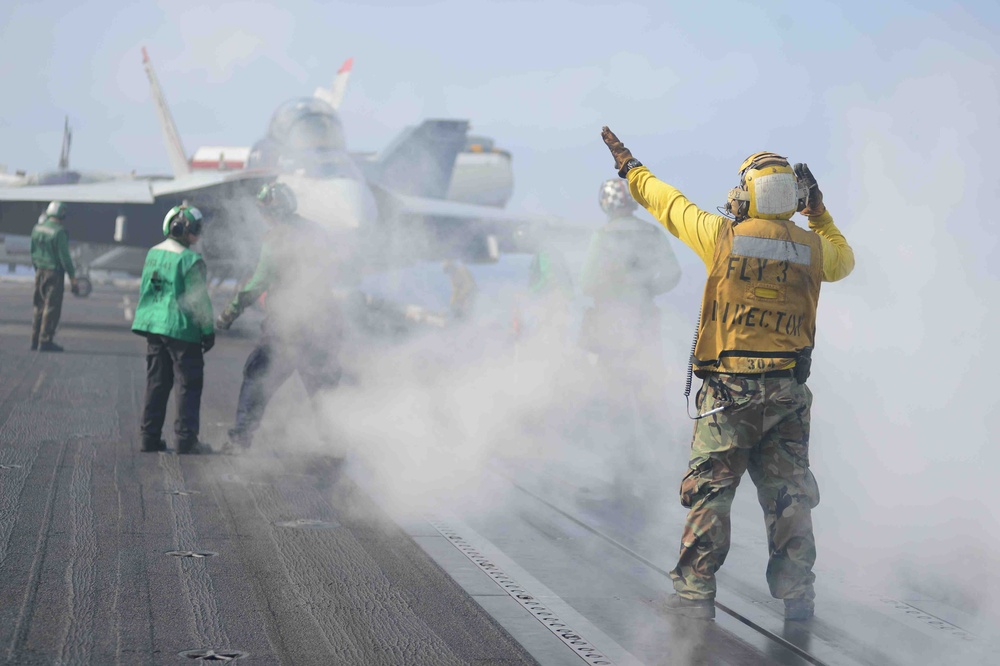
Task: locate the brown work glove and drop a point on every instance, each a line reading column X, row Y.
column 813, row 204
column 226, row 319
column 617, row 148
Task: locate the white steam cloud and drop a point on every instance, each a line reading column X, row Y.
column 902, row 441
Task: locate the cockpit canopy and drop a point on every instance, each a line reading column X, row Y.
column 307, row 123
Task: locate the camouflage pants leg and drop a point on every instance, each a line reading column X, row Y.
column 787, row 490
column 48, row 298
column 765, row 430
column 720, row 452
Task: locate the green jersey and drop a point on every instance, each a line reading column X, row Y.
column 548, row 273
column 173, row 298
column 50, row 247
column 297, row 270
column 629, row 261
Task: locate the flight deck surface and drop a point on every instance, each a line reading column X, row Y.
column 287, row 555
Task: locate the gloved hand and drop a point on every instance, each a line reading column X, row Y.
column 617, row 148
column 207, row 342
column 813, row 203
column 74, row 287
column 225, row 320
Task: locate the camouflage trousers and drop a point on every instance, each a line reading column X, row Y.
column 764, row 432
column 48, row 300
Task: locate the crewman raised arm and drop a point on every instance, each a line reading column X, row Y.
column 755, row 336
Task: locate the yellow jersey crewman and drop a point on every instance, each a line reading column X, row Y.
column 755, row 336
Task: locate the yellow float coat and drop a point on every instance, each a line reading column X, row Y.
column 760, row 299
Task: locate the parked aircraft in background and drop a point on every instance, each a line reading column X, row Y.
column 482, row 174
column 420, row 198
column 394, row 203
column 63, row 174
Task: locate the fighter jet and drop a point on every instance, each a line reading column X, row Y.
column 409, row 201
column 62, row 174
column 395, row 201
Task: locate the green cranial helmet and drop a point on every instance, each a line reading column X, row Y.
column 277, row 200
column 56, row 209
column 181, row 220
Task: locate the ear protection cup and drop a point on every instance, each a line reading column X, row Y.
column 768, row 189
column 277, row 199
column 182, row 219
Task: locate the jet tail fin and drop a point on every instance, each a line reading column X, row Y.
column 334, row 95
column 175, row 149
column 67, row 140
column 420, row 161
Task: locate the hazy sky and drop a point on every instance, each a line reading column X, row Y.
column 691, row 88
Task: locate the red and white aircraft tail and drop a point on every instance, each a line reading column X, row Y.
column 334, row 95
column 221, row 158
column 175, row 149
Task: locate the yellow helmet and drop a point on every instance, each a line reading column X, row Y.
column 768, row 189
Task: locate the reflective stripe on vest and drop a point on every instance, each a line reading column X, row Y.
column 759, row 306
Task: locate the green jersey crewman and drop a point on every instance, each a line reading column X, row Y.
column 174, row 314
column 544, row 314
column 464, row 289
column 755, row 339
column 629, row 263
column 303, row 327
column 50, row 257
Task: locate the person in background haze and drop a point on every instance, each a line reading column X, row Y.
column 629, row 263
column 304, row 327
column 52, row 262
column 543, row 313
column 463, row 289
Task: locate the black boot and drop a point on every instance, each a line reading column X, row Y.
column 49, row 347
column 698, row 609
column 237, row 444
column 153, row 445
column 797, row 610
column 193, row 448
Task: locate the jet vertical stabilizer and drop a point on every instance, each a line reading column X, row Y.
column 67, row 139
column 175, row 149
column 420, row 161
column 335, row 94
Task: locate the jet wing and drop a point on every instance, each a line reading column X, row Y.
column 122, row 191
column 128, row 211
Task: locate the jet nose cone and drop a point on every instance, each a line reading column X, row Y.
column 336, row 203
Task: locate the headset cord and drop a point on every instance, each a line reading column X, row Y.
column 690, row 372
column 726, row 402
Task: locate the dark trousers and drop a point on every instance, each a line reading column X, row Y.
column 49, row 288
column 165, row 359
column 267, row 368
